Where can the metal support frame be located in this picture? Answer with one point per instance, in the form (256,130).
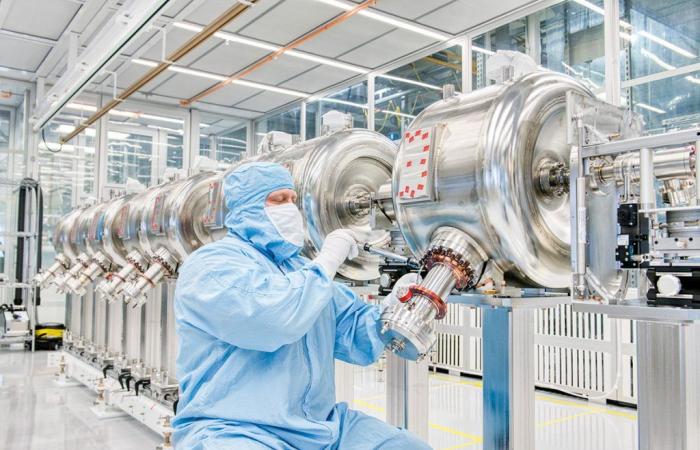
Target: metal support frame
(407,394)
(508,367)
(467,64)
(370,102)
(344,382)
(669,387)
(509,381)
(612,51)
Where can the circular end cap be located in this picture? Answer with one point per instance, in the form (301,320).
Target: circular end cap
(668,285)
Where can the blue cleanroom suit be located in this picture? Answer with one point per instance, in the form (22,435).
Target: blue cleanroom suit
(259,328)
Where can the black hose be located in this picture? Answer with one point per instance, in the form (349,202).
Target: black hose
(128,382)
(106,368)
(121,378)
(175,403)
(144,383)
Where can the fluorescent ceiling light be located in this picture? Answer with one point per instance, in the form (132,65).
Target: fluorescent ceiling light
(213,76)
(571,69)
(667,44)
(396,113)
(197,73)
(342,102)
(650,108)
(117,135)
(169,130)
(144,62)
(657,60)
(666,65)
(482,50)
(81,107)
(405,25)
(326,61)
(643,33)
(413,82)
(273,48)
(120,113)
(591,6)
(266,87)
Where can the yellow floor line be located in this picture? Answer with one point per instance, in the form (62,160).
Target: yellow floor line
(547,423)
(557,401)
(368,405)
(476,439)
(593,409)
(462,382)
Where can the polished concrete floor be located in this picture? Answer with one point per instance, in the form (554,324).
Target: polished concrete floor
(35,414)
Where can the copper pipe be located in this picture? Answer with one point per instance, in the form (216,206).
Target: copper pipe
(187,47)
(274,55)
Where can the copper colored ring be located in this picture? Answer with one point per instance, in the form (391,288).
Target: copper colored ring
(433,297)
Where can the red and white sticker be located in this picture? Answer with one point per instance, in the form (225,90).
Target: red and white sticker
(416,164)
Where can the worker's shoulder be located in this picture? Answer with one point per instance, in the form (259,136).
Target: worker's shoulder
(222,251)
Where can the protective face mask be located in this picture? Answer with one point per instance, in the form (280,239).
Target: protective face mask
(288,222)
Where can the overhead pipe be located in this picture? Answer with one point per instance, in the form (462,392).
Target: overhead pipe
(277,53)
(175,56)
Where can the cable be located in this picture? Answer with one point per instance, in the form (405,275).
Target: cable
(43,138)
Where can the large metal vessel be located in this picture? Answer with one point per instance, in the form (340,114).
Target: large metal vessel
(335,176)
(480,185)
(172,226)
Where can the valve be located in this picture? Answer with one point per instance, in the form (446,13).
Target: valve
(451,261)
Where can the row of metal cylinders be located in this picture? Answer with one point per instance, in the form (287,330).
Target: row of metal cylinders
(129,283)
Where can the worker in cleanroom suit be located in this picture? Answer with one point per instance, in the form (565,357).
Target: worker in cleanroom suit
(259,328)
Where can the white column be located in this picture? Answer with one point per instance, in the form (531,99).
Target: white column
(101,149)
(250,138)
(302,121)
(191,143)
(612,51)
(467,64)
(534,49)
(370,102)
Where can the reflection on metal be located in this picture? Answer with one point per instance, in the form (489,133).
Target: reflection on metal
(136,241)
(408,327)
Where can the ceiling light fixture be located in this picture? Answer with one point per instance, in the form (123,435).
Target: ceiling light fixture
(650,108)
(482,50)
(405,25)
(213,76)
(273,48)
(643,33)
(413,82)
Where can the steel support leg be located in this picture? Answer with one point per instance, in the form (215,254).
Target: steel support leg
(668,402)
(508,374)
(407,394)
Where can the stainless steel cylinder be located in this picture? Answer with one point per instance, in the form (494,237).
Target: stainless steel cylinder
(335,176)
(473,162)
(408,328)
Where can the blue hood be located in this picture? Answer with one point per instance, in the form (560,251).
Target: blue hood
(245,192)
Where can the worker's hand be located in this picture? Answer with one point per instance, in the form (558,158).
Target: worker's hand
(400,289)
(339,245)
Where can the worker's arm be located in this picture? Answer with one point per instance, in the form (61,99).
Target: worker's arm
(246,305)
(356,337)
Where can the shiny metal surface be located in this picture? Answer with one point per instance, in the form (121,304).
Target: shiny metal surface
(489,148)
(408,328)
(334,177)
(669,390)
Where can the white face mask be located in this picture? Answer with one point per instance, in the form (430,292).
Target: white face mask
(288,222)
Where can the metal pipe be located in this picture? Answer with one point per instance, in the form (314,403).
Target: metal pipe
(697,173)
(277,53)
(175,56)
(668,164)
(410,262)
(581,222)
(647,194)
